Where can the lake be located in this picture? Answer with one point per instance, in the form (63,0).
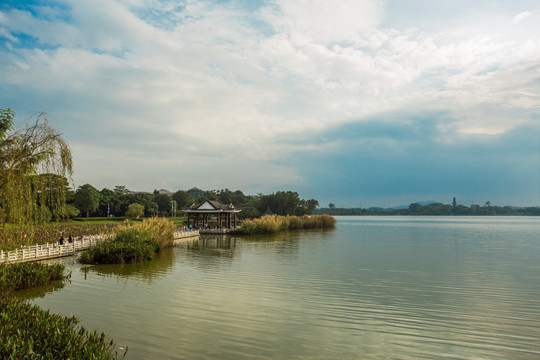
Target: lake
(372,288)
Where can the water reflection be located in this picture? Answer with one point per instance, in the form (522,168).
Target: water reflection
(41,291)
(147,271)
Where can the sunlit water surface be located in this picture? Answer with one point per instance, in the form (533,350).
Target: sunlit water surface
(373,288)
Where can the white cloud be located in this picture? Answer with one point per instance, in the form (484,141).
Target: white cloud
(521,16)
(326,22)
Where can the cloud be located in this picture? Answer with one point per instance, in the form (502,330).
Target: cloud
(323,22)
(221,87)
(521,16)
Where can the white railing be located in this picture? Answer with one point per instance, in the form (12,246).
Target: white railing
(55,250)
(50,251)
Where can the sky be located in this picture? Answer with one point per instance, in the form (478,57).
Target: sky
(360,103)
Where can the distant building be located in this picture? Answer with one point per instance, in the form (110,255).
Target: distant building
(195,192)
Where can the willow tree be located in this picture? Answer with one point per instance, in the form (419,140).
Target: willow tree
(35,162)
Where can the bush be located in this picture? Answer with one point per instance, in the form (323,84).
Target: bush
(28,332)
(135,211)
(132,242)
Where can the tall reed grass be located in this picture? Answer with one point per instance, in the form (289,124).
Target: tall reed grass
(132,242)
(270,224)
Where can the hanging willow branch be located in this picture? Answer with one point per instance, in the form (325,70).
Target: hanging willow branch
(35,162)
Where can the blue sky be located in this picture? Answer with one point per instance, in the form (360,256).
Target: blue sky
(359,103)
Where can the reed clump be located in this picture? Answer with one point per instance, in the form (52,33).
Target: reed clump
(132,242)
(28,332)
(271,224)
(25,275)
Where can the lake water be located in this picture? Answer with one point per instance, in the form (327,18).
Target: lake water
(373,288)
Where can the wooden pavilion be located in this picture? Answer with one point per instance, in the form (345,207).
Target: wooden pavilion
(212,214)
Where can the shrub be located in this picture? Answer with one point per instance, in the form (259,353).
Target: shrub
(135,211)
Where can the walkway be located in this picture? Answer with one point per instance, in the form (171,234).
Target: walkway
(55,250)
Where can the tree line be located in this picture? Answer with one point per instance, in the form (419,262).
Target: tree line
(437,209)
(119,201)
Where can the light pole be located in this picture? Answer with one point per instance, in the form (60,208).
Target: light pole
(173,208)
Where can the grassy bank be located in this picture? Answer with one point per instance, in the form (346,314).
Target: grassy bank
(132,242)
(271,224)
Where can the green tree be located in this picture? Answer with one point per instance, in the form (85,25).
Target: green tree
(163,202)
(310,205)
(182,198)
(25,155)
(87,199)
(135,211)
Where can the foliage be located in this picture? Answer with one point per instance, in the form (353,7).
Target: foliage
(163,202)
(286,203)
(24,275)
(6,121)
(135,211)
(132,242)
(28,332)
(118,200)
(87,199)
(67,211)
(271,224)
(34,162)
(14,236)
(182,199)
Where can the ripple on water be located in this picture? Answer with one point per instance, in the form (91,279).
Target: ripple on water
(391,288)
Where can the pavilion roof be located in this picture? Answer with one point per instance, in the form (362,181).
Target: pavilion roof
(211,206)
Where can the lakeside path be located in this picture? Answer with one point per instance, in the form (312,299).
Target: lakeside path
(55,250)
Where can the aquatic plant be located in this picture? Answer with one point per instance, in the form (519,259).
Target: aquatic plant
(271,224)
(24,275)
(28,332)
(132,242)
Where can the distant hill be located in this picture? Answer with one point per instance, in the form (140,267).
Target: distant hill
(423,203)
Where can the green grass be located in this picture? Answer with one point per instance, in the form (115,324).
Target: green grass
(271,224)
(132,242)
